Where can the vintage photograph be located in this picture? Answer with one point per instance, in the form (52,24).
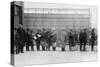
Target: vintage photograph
(48,33)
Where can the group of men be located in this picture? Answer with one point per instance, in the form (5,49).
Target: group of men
(83,38)
(26,38)
(45,38)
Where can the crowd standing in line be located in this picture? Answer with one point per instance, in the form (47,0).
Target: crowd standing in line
(47,39)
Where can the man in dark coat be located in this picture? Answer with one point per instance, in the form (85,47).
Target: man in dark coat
(93,38)
(27,40)
(48,39)
(21,34)
(83,39)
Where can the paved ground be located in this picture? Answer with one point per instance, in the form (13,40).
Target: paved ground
(48,57)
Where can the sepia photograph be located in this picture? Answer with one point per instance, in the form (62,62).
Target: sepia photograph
(50,33)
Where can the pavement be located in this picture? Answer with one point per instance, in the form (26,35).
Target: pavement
(53,57)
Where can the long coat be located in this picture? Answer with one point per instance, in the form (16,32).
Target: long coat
(21,34)
(61,38)
(83,37)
